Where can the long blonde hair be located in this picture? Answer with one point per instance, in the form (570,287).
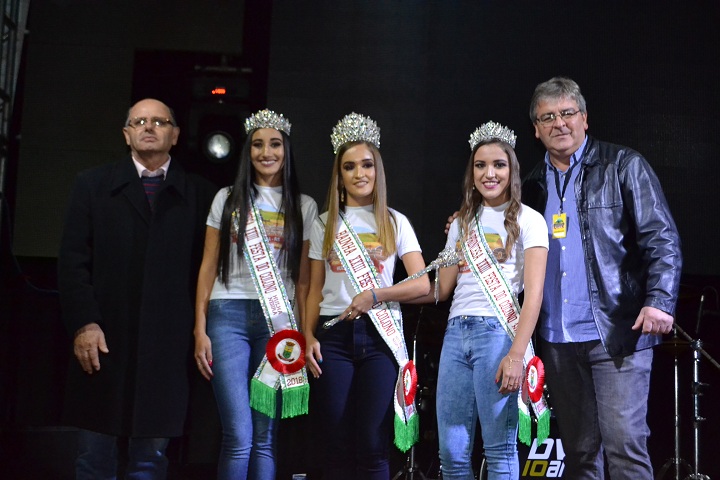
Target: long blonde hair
(472,199)
(335,202)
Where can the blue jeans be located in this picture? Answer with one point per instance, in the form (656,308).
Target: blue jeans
(239,335)
(472,349)
(600,403)
(353,401)
(97,457)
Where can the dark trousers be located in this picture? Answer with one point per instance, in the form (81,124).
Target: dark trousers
(97,457)
(352,401)
(600,403)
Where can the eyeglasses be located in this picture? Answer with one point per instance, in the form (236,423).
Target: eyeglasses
(138,122)
(549,118)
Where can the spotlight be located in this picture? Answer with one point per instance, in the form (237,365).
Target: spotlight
(218,146)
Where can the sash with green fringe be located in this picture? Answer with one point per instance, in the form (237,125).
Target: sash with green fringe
(283,367)
(487,272)
(387,319)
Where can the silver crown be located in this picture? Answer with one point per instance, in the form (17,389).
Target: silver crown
(267,119)
(492,131)
(353,128)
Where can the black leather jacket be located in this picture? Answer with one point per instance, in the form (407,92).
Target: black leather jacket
(630,242)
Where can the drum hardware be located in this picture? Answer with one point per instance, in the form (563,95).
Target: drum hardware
(698,388)
(675,345)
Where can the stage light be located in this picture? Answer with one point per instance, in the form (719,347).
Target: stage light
(219,103)
(218,146)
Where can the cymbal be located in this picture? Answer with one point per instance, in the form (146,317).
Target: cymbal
(674,344)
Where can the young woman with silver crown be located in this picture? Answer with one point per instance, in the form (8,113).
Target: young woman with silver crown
(255,264)
(360,361)
(503,245)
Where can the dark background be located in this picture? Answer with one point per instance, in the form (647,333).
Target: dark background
(428,72)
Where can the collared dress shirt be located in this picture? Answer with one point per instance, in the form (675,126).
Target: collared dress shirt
(566,311)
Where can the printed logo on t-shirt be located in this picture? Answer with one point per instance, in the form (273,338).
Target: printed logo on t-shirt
(274,223)
(494,241)
(372,244)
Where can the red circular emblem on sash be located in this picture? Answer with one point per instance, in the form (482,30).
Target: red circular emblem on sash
(535,379)
(286,351)
(409,381)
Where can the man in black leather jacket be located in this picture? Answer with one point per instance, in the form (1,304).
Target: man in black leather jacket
(612,282)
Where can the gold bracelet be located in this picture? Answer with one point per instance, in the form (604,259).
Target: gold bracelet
(512,361)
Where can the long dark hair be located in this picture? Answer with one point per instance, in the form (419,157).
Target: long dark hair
(239,201)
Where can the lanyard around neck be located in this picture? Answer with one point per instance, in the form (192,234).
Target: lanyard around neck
(568,174)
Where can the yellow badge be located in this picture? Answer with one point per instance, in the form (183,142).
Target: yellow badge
(559,225)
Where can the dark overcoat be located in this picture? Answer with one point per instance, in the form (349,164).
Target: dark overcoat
(133,271)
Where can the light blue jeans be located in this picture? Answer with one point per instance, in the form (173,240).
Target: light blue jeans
(97,457)
(239,335)
(600,403)
(466,390)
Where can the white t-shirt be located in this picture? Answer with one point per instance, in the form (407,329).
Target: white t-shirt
(469,298)
(268,200)
(338,292)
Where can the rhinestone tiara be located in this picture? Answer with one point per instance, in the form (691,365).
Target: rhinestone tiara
(353,128)
(492,131)
(267,119)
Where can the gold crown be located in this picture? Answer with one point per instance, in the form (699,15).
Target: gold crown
(353,128)
(492,131)
(267,119)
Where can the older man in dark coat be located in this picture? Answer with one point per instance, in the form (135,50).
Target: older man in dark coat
(128,262)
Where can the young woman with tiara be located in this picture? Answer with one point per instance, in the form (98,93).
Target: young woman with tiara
(254,265)
(503,245)
(355,347)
